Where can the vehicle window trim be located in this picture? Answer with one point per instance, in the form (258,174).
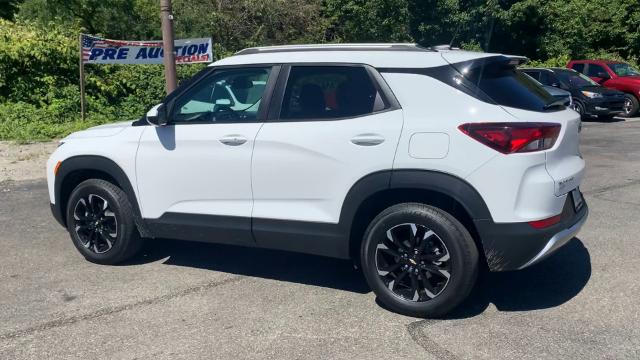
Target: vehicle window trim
(262,110)
(275,108)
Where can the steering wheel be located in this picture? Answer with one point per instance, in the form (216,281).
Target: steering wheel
(225,112)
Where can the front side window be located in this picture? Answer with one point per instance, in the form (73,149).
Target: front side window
(622,69)
(227,95)
(329,92)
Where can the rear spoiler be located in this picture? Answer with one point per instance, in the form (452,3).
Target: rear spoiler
(517,60)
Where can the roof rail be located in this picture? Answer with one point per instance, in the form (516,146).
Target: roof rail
(334,47)
(443,47)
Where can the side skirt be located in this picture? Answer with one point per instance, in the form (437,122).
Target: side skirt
(322,239)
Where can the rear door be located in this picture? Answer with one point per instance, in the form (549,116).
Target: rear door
(330,126)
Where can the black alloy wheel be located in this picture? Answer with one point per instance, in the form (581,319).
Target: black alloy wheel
(419,260)
(95,223)
(413,262)
(100,220)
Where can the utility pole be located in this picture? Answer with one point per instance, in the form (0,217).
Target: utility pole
(168,45)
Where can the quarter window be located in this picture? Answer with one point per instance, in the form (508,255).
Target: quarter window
(232,95)
(329,92)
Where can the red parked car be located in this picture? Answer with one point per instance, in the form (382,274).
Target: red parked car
(615,75)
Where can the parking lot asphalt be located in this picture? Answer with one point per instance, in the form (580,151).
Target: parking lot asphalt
(180,300)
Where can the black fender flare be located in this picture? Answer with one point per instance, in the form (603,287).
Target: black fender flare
(412,179)
(447,184)
(95,163)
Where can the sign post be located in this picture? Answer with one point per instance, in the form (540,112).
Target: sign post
(167,41)
(83,110)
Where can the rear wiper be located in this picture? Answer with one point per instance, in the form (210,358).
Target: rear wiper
(555,103)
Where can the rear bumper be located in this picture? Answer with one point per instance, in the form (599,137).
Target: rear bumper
(514,246)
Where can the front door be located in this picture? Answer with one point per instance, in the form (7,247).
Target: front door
(194,174)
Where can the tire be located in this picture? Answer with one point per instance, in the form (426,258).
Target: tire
(449,254)
(102,233)
(630,106)
(579,107)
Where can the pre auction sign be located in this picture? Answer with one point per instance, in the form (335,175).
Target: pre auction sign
(97,50)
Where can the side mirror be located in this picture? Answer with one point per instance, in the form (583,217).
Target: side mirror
(157,116)
(604,76)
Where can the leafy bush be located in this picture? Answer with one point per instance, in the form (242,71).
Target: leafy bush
(39,91)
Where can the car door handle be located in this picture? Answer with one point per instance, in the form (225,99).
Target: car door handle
(233,140)
(367,139)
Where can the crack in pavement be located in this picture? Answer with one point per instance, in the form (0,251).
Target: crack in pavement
(416,331)
(116,309)
(612,187)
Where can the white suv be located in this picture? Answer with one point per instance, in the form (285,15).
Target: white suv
(420,165)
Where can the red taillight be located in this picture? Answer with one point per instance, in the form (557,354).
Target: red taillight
(545,223)
(514,137)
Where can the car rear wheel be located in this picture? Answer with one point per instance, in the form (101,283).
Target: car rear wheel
(419,260)
(100,222)
(631,106)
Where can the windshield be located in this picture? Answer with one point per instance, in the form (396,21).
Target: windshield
(573,79)
(622,69)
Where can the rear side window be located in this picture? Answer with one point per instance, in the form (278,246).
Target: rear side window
(507,86)
(329,92)
(578,67)
(594,70)
(545,78)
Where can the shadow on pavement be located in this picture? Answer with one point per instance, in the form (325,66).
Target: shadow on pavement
(550,283)
(263,263)
(603,120)
(547,284)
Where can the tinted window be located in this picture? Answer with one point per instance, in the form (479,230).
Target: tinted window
(326,92)
(578,67)
(225,95)
(545,78)
(553,79)
(533,74)
(574,80)
(594,70)
(508,86)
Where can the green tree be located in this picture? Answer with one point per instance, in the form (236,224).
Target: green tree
(117,19)
(366,20)
(8,8)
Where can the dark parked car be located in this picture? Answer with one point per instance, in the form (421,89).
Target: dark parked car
(614,75)
(590,99)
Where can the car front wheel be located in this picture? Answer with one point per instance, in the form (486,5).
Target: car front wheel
(419,260)
(631,106)
(100,222)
